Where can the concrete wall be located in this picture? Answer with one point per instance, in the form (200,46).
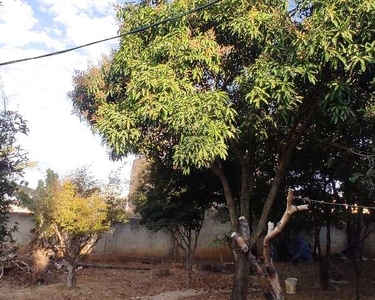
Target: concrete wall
(369,246)
(25,223)
(338,240)
(213,229)
(132,240)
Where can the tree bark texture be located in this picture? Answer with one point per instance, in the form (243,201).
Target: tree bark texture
(324,261)
(317,246)
(232,208)
(70,277)
(241,277)
(268,280)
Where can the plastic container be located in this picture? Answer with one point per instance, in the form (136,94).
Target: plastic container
(291,285)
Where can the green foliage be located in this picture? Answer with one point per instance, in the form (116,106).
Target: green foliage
(25,196)
(240,86)
(78,214)
(191,85)
(165,198)
(72,213)
(13,159)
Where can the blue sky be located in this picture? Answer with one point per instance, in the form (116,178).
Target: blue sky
(38,89)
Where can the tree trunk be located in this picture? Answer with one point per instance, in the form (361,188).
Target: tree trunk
(189,267)
(324,261)
(232,207)
(276,182)
(317,247)
(271,288)
(189,263)
(294,135)
(70,279)
(241,268)
(241,277)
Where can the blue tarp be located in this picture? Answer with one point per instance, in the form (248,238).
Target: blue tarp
(299,249)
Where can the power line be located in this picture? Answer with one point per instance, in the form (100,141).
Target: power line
(354,206)
(133,31)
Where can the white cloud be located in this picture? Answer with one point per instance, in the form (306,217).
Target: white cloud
(17,21)
(57,139)
(101,7)
(57,31)
(84,21)
(17,14)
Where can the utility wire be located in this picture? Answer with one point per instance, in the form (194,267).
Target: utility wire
(334,204)
(133,31)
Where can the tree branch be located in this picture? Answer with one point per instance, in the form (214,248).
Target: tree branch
(271,289)
(273,232)
(294,136)
(218,171)
(239,243)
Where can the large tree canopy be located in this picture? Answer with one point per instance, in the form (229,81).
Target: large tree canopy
(237,84)
(236,77)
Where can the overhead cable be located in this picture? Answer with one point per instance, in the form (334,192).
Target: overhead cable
(353,206)
(133,31)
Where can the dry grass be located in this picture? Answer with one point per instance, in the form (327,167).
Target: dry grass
(105,284)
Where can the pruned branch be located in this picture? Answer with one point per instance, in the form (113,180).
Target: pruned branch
(273,232)
(244,228)
(239,242)
(271,286)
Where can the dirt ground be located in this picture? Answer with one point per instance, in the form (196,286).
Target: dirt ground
(166,282)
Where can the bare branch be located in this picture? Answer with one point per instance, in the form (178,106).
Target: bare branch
(271,288)
(290,210)
(273,232)
(361,153)
(239,242)
(244,228)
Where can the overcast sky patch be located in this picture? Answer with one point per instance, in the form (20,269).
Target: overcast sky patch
(38,89)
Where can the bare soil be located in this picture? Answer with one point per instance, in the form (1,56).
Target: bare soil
(167,282)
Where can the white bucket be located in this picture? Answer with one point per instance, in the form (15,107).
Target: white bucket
(291,285)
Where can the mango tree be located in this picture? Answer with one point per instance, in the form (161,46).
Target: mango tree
(237,84)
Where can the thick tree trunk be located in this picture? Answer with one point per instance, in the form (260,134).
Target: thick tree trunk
(241,271)
(241,278)
(247,186)
(70,277)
